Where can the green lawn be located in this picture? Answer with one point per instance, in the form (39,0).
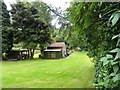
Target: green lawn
(76,71)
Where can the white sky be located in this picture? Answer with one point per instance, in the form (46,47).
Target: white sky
(56,3)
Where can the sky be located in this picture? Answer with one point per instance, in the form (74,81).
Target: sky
(57,3)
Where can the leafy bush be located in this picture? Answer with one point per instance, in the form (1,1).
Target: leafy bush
(92,22)
(4,56)
(109,72)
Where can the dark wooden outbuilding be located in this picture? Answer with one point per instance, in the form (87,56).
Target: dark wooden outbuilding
(55,51)
(18,54)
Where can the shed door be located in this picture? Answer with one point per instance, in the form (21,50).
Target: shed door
(53,55)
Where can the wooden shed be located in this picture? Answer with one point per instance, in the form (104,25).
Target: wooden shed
(18,54)
(55,51)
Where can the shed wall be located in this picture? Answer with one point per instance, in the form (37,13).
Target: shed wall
(52,54)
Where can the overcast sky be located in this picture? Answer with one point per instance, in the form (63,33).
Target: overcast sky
(56,3)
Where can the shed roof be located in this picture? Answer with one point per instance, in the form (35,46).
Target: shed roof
(57,44)
(22,50)
(50,50)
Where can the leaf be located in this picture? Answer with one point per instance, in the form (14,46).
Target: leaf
(113,63)
(112,74)
(114,50)
(115,18)
(115,36)
(118,54)
(115,68)
(118,43)
(105,62)
(111,16)
(109,56)
(116,78)
(103,59)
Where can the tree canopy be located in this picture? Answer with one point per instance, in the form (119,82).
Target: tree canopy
(30,27)
(93,30)
(7,35)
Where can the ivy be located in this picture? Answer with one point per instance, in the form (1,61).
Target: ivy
(96,23)
(113,58)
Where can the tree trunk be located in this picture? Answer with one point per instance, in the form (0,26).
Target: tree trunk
(28,54)
(42,55)
(32,53)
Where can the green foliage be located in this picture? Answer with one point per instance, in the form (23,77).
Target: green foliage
(92,23)
(43,11)
(115,17)
(111,64)
(30,26)
(7,35)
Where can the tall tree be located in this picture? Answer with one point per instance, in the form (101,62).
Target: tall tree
(0,44)
(43,11)
(7,35)
(30,28)
(45,14)
(90,22)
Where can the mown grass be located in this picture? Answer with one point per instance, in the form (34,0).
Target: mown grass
(75,71)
